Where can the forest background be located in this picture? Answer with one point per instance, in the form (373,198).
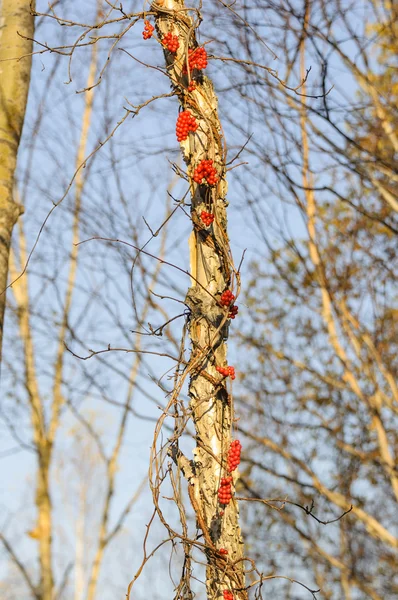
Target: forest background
(312,193)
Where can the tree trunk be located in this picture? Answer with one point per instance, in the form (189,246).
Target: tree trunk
(212,273)
(15,19)
(44,522)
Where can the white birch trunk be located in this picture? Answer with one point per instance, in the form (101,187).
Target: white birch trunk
(15,17)
(212,273)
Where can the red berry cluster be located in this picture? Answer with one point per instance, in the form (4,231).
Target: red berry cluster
(227,371)
(197,59)
(205,170)
(171,42)
(228,595)
(227,298)
(223,551)
(234,455)
(224,491)
(233,311)
(192,86)
(148,30)
(186,122)
(207,218)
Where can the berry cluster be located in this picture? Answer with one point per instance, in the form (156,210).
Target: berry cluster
(171,42)
(227,298)
(148,30)
(186,122)
(207,218)
(224,491)
(205,170)
(228,595)
(233,311)
(192,86)
(227,371)
(223,551)
(197,59)
(234,455)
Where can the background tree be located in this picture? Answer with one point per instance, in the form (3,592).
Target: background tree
(48,391)
(321,335)
(16,33)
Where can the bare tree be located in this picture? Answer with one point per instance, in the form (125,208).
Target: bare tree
(16,34)
(44,392)
(321,380)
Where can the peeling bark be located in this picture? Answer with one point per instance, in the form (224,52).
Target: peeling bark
(212,272)
(15,18)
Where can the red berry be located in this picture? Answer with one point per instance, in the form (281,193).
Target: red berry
(223,371)
(224,491)
(186,122)
(197,59)
(233,311)
(227,298)
(226,371)
(207,218)
(148,30)
(205,170)
(171,42)
(231,372)
(234,455)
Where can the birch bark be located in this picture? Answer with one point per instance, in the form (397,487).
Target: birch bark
(212,273)
(15,18)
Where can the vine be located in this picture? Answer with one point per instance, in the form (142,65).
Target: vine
(211,303)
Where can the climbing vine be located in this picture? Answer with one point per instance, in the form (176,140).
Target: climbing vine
(210,299)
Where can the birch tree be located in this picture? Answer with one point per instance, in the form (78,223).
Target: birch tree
(215,285)
(16,34)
